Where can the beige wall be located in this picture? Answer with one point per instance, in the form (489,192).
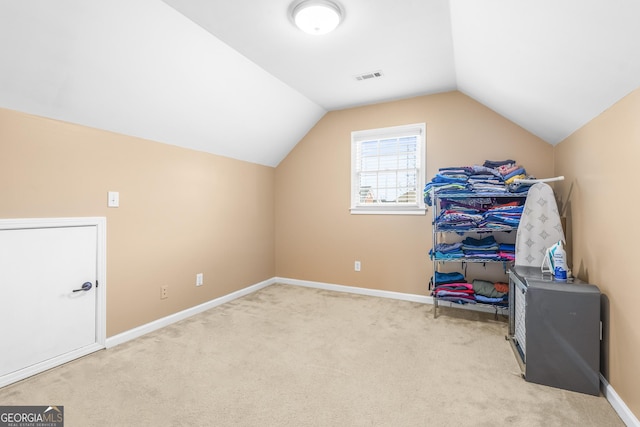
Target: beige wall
(181,212)
(600,163)
(316,237)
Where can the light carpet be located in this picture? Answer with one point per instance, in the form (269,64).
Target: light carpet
(296,356)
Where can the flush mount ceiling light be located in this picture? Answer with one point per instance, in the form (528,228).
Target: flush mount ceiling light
(316,17)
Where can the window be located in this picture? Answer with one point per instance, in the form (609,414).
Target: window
(387,170)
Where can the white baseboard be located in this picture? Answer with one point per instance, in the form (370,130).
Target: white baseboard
(355,290)
(21,374)
(623,411)
(176,317)
(384,294)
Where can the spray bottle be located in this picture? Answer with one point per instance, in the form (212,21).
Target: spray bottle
(559,257)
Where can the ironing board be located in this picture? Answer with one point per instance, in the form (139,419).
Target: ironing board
(540,226)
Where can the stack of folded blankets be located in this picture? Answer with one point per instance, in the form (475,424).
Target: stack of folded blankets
(491,177)
(506,214)
(484,248)
(507,251)
(491,293)
(511,171)
(447,251)
(460,216)
(453,287)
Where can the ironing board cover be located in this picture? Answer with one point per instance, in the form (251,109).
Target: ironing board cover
(539,227)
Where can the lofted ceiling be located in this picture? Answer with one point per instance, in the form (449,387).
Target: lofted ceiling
(236,78)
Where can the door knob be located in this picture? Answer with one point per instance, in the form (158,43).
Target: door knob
(85,287)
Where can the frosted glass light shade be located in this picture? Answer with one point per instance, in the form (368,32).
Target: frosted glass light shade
(317,17)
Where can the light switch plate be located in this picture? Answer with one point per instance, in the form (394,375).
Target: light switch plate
(114,199)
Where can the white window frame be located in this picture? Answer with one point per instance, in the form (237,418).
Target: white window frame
(357,139)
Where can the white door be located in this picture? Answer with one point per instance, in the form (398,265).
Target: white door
(48,297)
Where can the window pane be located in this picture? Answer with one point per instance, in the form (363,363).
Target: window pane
(388,162)
(408,143)
(388,146)
(369,148)
(407,196)
(369,180)
(407,180)
(369,164)
(367,195)
(407,160)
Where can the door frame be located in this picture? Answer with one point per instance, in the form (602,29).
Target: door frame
(101,290)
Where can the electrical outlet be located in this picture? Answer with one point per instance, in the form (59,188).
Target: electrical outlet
(164,292)
(357,266)
(199,279)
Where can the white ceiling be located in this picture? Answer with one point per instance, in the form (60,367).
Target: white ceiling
(236,78)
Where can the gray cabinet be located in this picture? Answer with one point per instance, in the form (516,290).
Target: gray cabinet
(554,329)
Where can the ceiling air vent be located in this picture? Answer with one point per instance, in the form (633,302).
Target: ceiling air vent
(369,76)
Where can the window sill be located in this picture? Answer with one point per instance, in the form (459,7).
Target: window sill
(388,211)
